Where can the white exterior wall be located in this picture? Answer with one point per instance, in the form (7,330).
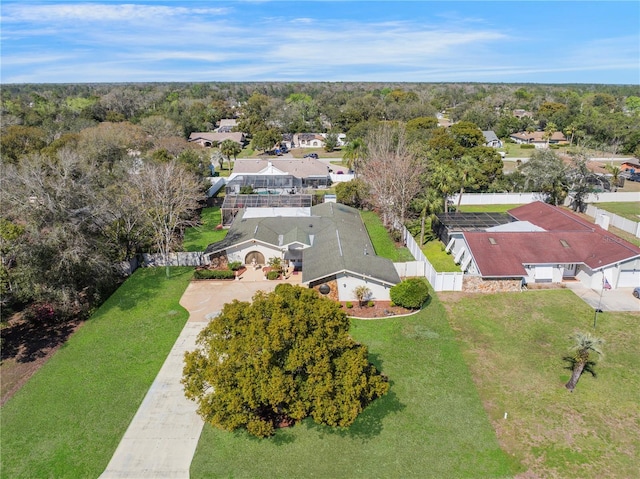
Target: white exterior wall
(347,283)
(239,253)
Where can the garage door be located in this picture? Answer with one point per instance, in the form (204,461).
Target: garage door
(629,278)
(544,274)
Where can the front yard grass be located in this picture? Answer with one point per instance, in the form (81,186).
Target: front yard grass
(67,421)
(514,344)
(382,243)
(629,210)
(199,237)
(431,424)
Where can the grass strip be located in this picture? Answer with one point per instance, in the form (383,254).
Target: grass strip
(67,421)
(382,243)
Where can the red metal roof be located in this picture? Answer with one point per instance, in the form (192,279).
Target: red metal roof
(568,239)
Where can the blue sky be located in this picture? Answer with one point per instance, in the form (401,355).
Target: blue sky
(417,41)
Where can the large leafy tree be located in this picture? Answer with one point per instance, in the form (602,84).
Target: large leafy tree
(546,173)
(285,356)
(584,344)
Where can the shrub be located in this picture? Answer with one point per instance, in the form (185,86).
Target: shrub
(273,275)
(349,304)
(411,293)
(235,265)
(527,146)
(214,274)
(371,304)
(396,235)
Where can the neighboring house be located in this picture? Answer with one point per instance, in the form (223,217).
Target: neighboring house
(538,138)
(313,173)
(209,139)
(547,244)
(491,139)
(329,246)
(519,113)
(226,125)
(314,140)
(632,166)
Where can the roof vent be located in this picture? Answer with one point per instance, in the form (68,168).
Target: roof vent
(492,241)
(564,244)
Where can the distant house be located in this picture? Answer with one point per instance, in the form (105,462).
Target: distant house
(209,139)
(226,125)
(330,246)
(312,140)
(546,244)
(491,139)
(630,165)
(538,138)
(519,113)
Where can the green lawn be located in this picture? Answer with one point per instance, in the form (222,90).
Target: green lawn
(439,259)
(514,344)
(67,421)
(430,425)
(486,208)
(629,210)
(382,243)
(199,237)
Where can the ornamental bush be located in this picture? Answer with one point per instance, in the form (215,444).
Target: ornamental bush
(273,275)
(235,265)
(411,293)
(214,274)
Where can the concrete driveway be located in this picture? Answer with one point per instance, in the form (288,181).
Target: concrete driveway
(161,440)
(619,299)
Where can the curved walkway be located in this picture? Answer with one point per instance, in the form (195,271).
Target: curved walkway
(162,438)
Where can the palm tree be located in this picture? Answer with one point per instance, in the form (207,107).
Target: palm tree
(362,294)
(354,154)
(615,175)
(584,345)
(466,168)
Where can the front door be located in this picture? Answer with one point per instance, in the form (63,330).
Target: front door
(254,257)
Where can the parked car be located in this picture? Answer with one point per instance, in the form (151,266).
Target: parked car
(636,292)
(634,177)
(311,155)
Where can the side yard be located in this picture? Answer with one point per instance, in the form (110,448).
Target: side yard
(382,243)
(514,344)
(68,419)
(430,425)
(199,237)
(629,210)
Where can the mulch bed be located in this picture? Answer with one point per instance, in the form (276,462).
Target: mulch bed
(380,309)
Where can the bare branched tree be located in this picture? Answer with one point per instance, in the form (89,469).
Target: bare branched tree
(169,195)
(392,172)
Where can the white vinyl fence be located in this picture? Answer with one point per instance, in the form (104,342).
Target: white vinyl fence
(174,259)
(619,222)
(497,198)
(422,267)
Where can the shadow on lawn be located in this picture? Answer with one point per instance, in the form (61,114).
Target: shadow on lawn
(26,341)
(128,298)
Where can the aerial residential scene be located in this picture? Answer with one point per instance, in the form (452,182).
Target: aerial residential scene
(319,239)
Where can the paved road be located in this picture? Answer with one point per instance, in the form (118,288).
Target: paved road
(162,438)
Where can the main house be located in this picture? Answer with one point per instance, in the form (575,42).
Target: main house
(329,245)
(541,243)
(213,138)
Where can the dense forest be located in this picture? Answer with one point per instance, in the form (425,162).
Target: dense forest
(93,174)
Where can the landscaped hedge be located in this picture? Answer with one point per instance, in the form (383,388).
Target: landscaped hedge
(213,274)
(527,146)
(411,293)
(273,275)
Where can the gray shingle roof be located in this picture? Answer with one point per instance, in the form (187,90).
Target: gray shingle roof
(337,239)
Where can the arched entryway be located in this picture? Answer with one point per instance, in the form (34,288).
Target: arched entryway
(254,257)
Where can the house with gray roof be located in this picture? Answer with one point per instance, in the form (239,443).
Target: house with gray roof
(330,247)
(491,139)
